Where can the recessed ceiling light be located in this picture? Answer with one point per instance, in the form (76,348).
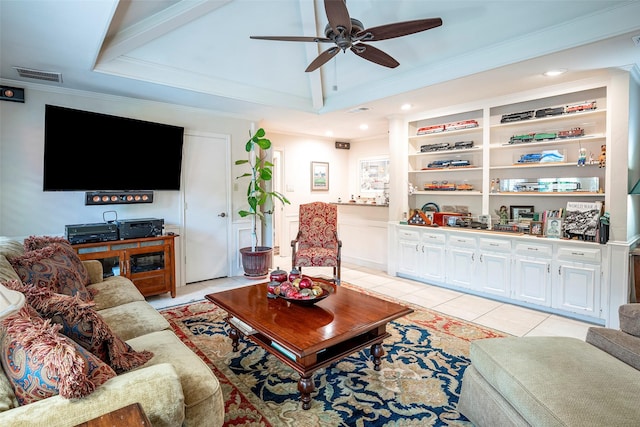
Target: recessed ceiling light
(405,107)
(328,133)
(364,126)
(553,73)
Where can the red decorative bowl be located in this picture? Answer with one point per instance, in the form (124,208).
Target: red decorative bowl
(326,291)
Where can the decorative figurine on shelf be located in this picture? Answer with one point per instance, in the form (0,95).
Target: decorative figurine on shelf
(503,214)
(582,156)
(591,161)
(602,160)
(493,186)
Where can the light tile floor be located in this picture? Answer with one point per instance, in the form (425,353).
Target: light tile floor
(512,319)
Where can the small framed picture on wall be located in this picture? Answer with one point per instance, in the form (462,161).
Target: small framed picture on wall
(319,176)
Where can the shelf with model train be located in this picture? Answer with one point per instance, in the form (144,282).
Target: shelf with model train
(540,202)
(445,155)
(550,150)
(557,149)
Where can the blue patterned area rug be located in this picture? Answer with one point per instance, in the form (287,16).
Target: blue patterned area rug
(418,384)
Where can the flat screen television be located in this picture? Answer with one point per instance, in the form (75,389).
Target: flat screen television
(86,151)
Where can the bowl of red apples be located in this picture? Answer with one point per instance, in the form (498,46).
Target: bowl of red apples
(301,291)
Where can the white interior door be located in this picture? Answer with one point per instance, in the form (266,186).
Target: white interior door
(207,206)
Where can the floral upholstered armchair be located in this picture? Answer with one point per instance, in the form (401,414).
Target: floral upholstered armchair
(317,243)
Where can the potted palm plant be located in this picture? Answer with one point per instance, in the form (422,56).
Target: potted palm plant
(256,260)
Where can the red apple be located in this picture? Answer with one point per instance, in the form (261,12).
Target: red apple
(306,283)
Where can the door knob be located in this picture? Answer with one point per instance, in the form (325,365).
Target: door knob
(222,214)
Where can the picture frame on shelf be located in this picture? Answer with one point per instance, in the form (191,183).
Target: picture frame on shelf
(515,211)
(319,176)
(535,228)
(553,228)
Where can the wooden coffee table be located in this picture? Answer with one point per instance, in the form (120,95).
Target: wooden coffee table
(309,338)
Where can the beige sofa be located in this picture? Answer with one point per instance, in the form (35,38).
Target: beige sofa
(556,381)
(175,387)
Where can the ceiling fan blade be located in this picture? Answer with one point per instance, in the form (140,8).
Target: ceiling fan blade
(338,15)
(293,39)
(375,55)
(398,29)
(323,58)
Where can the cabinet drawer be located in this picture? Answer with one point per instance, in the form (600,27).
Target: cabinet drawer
(533,249)
(579,254)
(408,234)
(152,285)
(500,245)
(462,241)
(437,238)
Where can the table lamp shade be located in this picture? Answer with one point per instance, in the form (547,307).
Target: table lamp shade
(10,301)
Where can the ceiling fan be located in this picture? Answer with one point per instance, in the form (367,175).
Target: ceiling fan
(349,33)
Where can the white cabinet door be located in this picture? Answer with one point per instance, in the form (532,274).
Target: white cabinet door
(461,261)
(577,288)
(494,267)
(494,271)
(433,257)
(408,257)
(576,285)
(409,252)
(532,276)
(532,281)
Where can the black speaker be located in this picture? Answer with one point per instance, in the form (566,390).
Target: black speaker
(117,197)
(14,94)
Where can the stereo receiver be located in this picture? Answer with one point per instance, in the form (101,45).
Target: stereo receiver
(89,233)
(137,228)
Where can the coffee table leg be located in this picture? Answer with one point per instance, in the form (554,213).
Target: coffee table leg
(235,337)
(306,387)
(377,352)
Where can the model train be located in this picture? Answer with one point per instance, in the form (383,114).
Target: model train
(541,136)
(446,186)
(528,137)
(530,158)
(547,186)
(441,164)
(440,186)
(446,146)
(464,124)
(544,157)
(548,111)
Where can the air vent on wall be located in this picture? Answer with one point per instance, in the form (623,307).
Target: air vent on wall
(49,76)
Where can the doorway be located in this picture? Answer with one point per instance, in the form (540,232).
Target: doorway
(207,206)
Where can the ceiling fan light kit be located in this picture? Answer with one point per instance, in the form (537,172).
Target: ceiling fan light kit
(349,33)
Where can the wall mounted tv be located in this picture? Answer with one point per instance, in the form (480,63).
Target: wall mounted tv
(86,151)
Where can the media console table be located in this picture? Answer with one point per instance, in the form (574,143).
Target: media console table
(148,262)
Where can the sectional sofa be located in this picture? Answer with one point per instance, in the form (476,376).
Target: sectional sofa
(556,381)
(174,387)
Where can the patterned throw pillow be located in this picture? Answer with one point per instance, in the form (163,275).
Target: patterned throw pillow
(55,268)
(41,363)
(33,243)
(84,325)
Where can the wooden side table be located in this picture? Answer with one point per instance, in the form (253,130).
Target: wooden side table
(129,416)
